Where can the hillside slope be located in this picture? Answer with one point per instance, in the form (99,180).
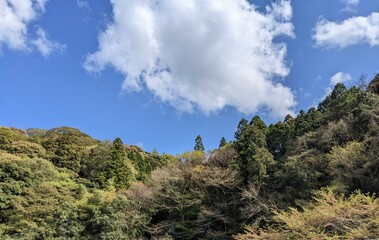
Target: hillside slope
(309,177)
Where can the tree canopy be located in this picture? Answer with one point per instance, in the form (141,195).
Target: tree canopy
(313,176)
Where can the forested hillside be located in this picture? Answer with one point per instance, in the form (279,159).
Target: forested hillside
(313,176)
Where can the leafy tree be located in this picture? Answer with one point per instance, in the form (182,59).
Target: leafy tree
(29,149)
(30,192)
(66,147)
(109,215)
(329,216)
(192,158)
(143,162)
(65,151)
(9,135)
(198,144)
(93,165)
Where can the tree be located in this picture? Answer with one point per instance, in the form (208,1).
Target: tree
(198,144)
(373,86)
(241,126)
(119,168)
(222,142)
(329,216)
(94,164)
(277,138)
(253,157)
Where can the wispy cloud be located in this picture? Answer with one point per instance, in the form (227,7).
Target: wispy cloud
(350,5)
(200,54)
(83,4)
(46,46)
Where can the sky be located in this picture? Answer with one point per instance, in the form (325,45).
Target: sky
(157,73)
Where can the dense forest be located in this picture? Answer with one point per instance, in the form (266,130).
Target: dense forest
(313,176)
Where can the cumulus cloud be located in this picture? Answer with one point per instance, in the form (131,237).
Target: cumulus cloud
(200,54)
(16,16)
(340,77)
(352,31)
(46,46)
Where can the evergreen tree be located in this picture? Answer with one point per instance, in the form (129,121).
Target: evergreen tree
(198,144)
(241,126)
(222,142)
(253,157)
(119,168)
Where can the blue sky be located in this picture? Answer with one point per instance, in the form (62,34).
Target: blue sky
(158,73)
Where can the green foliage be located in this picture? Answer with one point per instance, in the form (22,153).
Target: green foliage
(277,138)
(354,166)
(143,162)
(65,152)
(108,215)
(28,149)
(66,147)
(30,192)
(93,165)
(10,135)
(222,142)
(119,170)
(198,144)
(254,158)
(307,121)
(62,184)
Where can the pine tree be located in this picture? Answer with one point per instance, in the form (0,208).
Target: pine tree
(222,142)
(198,144)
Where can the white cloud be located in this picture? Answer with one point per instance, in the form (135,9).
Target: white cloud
(46,46)
(40,4)
(200,54)
(340,77)
(352,31)
(16,16)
